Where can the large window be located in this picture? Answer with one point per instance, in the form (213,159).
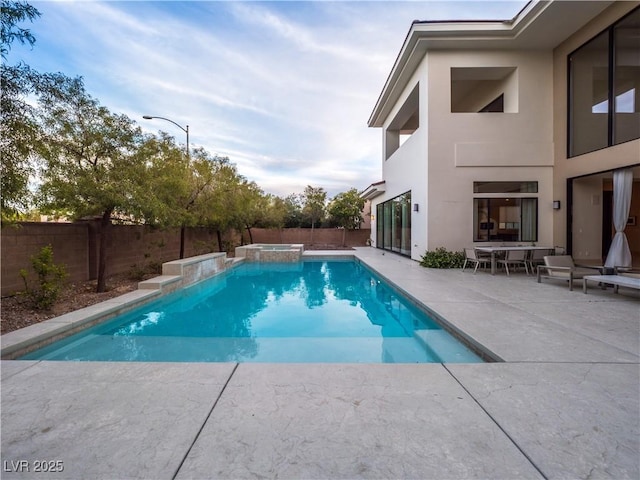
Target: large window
(505,219)
(393,224)
(604,88)
(509,218)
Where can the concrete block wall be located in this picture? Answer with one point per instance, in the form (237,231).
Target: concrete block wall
(20,242)
(76,245)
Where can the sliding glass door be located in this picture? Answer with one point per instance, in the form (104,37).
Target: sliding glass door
(394,224)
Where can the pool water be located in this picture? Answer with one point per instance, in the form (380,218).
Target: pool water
(312,311)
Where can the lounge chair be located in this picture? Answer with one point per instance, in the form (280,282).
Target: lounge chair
(622,280)
(471,256)
(561,267)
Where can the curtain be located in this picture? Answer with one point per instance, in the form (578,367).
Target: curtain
(529,221)
(619,254)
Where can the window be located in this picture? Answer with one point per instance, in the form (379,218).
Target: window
(505,187)
(512,218)
(393,224)
(484,89)
(604,81)
(505,219)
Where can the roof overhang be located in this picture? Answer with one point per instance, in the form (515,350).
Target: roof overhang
(373,190)
(540,25)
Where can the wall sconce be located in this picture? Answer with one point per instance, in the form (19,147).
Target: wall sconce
(556,204)
(416,207)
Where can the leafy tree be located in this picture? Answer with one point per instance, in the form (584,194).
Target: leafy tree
(177,182)
(18,137)
(13,13)
(251,206)
(215,206)
(314,199)
(275,212)
(345,210)
(18,129)
(293,211)
(90,164)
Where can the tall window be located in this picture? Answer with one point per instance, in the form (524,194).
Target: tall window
(393,224)
(512,218)
(604,88)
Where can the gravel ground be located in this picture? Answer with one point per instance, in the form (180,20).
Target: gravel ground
(15,311)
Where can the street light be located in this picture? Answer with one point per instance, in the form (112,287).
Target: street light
(185,130)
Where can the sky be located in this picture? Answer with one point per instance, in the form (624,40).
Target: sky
(284,89)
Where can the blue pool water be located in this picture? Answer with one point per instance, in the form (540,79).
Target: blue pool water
(311,311)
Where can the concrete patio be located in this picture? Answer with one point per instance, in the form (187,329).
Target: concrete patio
(565,403)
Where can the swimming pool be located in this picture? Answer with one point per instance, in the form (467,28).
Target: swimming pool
(311,311)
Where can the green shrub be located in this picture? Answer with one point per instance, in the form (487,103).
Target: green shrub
(442,258)
(50,279)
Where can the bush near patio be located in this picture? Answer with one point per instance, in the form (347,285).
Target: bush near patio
(442,258)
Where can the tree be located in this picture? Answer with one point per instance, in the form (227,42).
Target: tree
(90,163)
(178,182)
(293,211)
(314,199)
(215,206)
(18,137)
(18,129)
(275,212)
(345,210)
(251,206)
(13,13)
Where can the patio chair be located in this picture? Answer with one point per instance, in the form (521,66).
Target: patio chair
(536,257)
(472,256)
(515,258)
(561,267)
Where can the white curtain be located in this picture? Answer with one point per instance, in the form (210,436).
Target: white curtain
(619,254)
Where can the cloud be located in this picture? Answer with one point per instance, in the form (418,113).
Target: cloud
(282,88)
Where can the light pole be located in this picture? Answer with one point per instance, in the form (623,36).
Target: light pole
(185,130)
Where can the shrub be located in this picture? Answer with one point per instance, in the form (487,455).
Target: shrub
(442,258)
(49,282)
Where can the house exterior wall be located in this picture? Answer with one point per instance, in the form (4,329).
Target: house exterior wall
(449,151)
(468,147)
(406,169)
(618,156)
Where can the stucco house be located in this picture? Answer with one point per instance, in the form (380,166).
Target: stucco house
(510,132)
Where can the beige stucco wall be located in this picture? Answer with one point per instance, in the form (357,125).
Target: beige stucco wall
(468,147)
(618,156)
(406,169)
(442,159)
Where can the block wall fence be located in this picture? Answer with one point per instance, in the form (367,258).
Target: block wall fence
(76,246)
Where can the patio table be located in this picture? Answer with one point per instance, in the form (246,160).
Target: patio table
(494,250)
